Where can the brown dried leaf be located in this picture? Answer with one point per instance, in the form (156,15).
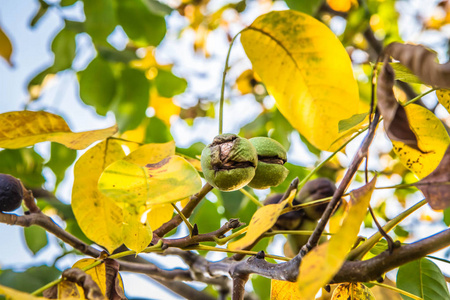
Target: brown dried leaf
(114,290)
(436,187)
(395,120)
(422,62)
(90,287)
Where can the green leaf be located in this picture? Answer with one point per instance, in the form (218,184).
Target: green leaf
(351,122)
(404,74)
(100,19)
(158,7)
(169,85)
(231,201)
(447,216)
(36,238)
(133,98)
(98,85)
(113,55)
(24,164)
(43,7)
(261,286)
(305,68)
(294,171)
(422,278)
(309,7)
(157,131)
(67,2)
(140,23)
(34,277)
(206,217)
(63,47)
(61,158)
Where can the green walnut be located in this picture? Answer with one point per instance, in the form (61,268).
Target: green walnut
(229,162)
(11,193)
(271,159)
(314,190)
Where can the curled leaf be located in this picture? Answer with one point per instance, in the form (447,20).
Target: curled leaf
(436,186)
(395,119)
(90,287)
(432,139)
(422,62)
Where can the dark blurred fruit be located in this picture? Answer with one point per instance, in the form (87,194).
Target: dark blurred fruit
(271,159)
(11,193)
(287,221)
(314,190)
(229,162)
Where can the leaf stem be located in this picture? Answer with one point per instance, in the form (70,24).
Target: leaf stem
(396,290)
(418,97)
(222,91)
(185,220)
(361,250)
(295,232)
(224,240)
(246,252)
(250,196)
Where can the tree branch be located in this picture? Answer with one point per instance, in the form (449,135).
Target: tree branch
(206,237)
(47,223)
(187,211)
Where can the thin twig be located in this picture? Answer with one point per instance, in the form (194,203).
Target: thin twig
(314,238)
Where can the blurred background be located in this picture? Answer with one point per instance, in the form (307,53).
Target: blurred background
(155,68)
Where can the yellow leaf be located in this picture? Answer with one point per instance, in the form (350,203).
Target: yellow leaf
(68,290)
(151,153)
(164,107)
(262,220)
(319,266)
(97,273)
(159,214)
(308,72)
(136,235)
(20,129)
(341,5)
(169,180)
(432,139)
(356,291)
(17,295)
(245,82)
(99,217)
(444,98)
(284,290)
(5,47)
